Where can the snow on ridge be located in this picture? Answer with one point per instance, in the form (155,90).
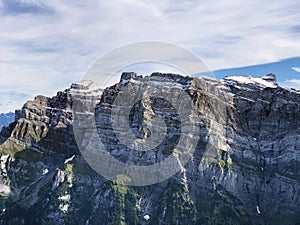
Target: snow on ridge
(85,86)
(69,159)
(246,99)
(157,83)
(251,80)
(264,82)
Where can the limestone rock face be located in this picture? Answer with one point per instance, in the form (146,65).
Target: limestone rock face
(245,168)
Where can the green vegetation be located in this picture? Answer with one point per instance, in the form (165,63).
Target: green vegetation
(12,146)
(222,159)
(69,169)
(167,151)
(126,210)
(119,184)
(175,206)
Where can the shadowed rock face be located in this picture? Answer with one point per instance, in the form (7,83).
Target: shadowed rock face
(245,169)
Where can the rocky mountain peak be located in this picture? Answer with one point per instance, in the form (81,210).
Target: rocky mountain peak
(248,82)
(126,76)
(245,168)
(84,85)
(270,78)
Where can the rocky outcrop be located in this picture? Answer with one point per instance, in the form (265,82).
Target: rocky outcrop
(244,170)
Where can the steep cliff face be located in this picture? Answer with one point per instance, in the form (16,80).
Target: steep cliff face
(245,169)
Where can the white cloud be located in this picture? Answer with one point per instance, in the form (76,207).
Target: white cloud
(293,83)
(297,69)
(46,52)
(12,100)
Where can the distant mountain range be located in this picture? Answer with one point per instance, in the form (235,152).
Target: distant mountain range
(287,71)
(6,119)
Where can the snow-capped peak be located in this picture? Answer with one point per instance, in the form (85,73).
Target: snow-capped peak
(265,81)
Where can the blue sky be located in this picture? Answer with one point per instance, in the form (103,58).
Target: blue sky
(46,45)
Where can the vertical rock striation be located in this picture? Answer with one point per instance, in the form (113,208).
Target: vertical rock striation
(245,169)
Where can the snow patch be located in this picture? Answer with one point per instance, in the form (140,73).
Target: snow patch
(246,99)
(147,217)
(264,82)
(64,208)
(258,210)
(251,80)
(45,171)
(69,159)
(4,189)
(65,197)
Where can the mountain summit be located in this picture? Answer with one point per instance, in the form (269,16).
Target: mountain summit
(245,168)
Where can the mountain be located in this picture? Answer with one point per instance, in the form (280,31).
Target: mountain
(6,119)
(245,168)
(287,71)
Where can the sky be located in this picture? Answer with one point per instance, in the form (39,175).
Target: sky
(47,45)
